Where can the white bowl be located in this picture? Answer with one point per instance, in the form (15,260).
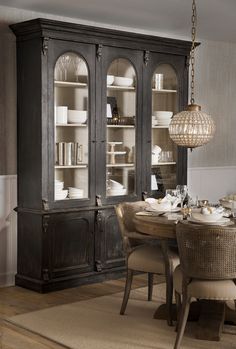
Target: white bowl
(59,185)
(75,196)
(77,116)
(163,115)
(61,195)
(228,203)
(163,123)
(115,185)
(110,79)
(121,81)
(115,192)
(75,191)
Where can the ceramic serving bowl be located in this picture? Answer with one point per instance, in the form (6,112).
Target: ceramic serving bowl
(163,115)
(115,185)
(116,192)
(61,195)
(77,116)
(121,81)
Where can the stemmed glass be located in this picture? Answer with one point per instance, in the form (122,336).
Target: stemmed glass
(175,194)
(183,189)
(64,63)
(75,63)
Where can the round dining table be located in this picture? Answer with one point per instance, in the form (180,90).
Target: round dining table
(210,315)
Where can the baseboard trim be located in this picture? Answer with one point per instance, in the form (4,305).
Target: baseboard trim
(7,279)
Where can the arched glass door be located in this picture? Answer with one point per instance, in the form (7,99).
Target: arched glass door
(71,115)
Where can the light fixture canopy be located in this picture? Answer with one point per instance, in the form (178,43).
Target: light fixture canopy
(192,128)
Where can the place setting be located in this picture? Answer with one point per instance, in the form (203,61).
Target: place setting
(163,206)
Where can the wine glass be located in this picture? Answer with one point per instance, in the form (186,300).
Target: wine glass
(65,62)
(183,189)
(76,65)
(175,194)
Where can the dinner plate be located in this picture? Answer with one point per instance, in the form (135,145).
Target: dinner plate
(151,209)
(220,221)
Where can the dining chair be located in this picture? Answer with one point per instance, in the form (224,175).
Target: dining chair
(143,255)
(207,267)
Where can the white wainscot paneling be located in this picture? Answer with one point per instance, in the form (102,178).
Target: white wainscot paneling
(8,229)
(211,183)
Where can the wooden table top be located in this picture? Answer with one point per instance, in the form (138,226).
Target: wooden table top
(159,227)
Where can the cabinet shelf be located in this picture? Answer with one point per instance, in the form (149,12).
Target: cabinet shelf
(71,125)
(164,163)
(160,126)
(120,165)
(72,166)
(163,91)
(59,83)
(120,126)
(121,88)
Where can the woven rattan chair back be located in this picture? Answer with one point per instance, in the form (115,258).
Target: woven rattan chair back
(125,212)
(207,252)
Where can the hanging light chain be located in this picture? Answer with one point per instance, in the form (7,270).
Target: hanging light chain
(192,52)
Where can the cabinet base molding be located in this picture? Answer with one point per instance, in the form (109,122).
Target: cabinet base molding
(68,282)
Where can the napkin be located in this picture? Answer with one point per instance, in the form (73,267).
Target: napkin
(164,204)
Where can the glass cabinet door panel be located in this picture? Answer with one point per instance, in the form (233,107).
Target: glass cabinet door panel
(71,117)
(164,151)
(121,113)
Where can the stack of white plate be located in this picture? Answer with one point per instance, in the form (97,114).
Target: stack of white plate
(76,193)
(115,188)
(163,118)
(60,194)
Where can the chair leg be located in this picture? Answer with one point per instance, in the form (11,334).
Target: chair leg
(178,308)
(169,297)
(183,319)
(128,284)
(150,286)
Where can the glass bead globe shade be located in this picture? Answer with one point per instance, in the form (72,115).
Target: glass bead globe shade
(191,128)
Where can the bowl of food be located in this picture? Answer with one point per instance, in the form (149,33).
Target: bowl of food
(77,116)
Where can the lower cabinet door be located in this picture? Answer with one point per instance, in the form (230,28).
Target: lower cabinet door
(109,251)
(72,243)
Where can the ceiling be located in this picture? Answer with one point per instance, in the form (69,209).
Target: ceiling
(216,18)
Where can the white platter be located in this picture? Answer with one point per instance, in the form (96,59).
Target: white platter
(221,221)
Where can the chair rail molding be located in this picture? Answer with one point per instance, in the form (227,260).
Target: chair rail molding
(8,229)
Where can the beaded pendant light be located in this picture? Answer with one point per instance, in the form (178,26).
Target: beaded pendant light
(192,128)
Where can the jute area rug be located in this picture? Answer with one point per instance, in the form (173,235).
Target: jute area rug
(96,324)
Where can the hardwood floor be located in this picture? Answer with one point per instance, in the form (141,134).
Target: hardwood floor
(16,300)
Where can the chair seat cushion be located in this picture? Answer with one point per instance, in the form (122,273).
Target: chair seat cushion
(206,289)
(148,258)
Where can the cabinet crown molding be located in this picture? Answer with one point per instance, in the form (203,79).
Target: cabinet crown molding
(76,32)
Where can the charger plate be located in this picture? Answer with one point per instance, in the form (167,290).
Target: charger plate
(221,221)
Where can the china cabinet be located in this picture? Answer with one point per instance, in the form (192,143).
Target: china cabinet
(93,112)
